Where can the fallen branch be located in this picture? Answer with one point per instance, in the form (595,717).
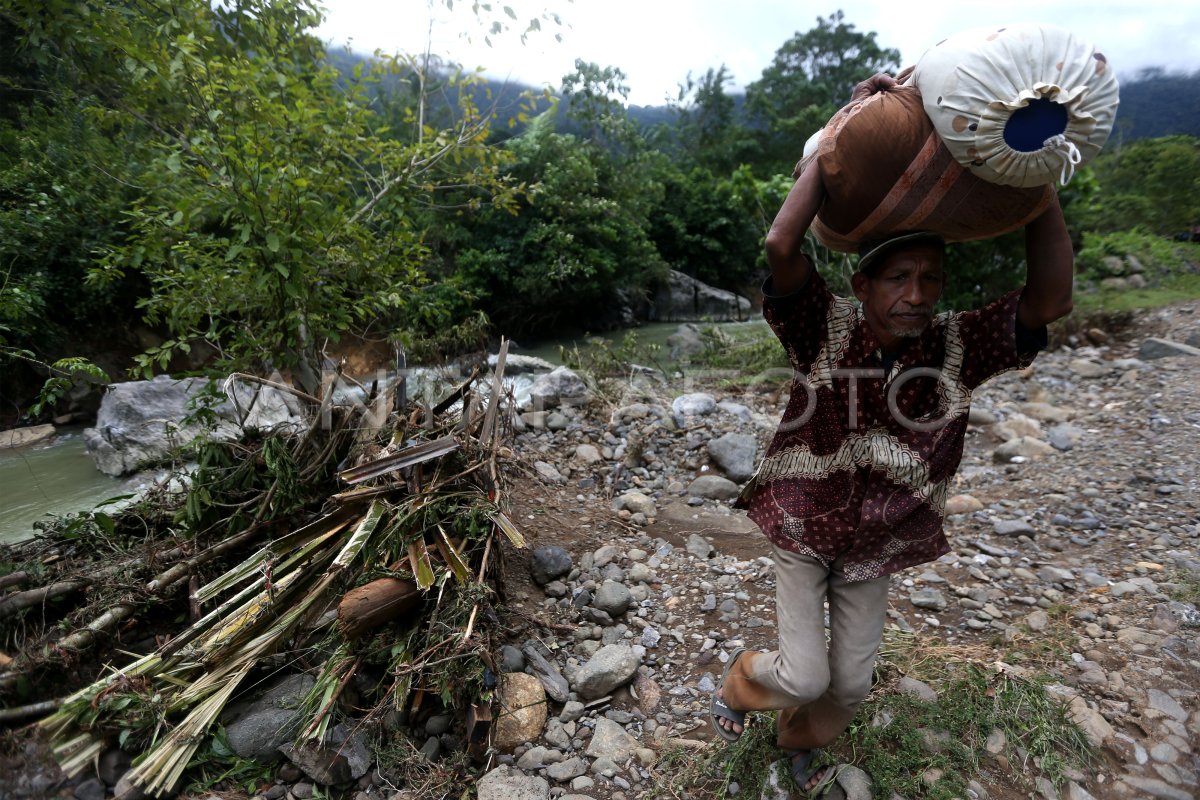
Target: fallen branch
(25,712)
(19,601)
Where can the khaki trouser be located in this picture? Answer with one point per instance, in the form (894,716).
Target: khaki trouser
(817,689)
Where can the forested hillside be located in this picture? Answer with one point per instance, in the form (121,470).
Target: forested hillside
(210,189)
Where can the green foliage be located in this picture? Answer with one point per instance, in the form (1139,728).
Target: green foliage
(1152,183)
(753,350)
(580,234)
(896,737)
(217,767)
(811,76)
(1107,255)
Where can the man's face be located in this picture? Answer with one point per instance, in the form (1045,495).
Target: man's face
(898,299)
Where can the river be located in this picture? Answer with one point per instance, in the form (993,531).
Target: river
(57,477)
(53,477)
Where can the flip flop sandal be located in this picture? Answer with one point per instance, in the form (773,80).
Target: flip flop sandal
(718,710)
(806,766)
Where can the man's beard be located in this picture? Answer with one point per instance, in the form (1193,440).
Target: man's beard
(909,332)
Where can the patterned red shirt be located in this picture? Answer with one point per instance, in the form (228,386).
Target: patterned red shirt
(862,461)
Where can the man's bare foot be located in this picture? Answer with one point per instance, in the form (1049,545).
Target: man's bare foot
(728,724)
(801,757)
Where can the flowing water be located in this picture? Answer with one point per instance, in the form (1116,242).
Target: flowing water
(57,477)
(54,477)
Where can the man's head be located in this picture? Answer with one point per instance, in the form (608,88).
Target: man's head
(899,280)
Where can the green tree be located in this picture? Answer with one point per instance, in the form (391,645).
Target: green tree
(812,74)
(581,235)
(1151,183)
(275,212)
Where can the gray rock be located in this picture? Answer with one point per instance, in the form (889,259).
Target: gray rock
(1088,369)
(431,749)
(1077,792)
(548,472)
(855,783)
(611,741)
(511,659)
(506,783)
(548,563)
(515,364)
(1064,436)
(612,598)
(1154,348)
(257,731)
(1152,787)
(560,387)
(127,790)
(927,598)
(736,409)
(344,756)
(1013,527)
(1055,575)
(567,770)
(113,764)
(1161,701)
(1023,447)
(588,454)
(685,341)
(90,789)
(698,546)
(557,688)
(438,724)
(684,298)
(636,503)
(735,454)
(21,437)
(572,710)
(141,422)
(713,487)
(695,404)
(612,666)
(916,688)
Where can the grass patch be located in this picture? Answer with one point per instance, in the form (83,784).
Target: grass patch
(752,350)
(1173,289)
(920,749)
(1184,587)
(683,773)
(1043,648)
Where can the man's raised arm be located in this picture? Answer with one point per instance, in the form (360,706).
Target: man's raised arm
(785,241)
(1050,273)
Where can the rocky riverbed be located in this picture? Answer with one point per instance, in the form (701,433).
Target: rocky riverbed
(1075,538)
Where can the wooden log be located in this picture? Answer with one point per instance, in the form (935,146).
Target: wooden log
(366,607)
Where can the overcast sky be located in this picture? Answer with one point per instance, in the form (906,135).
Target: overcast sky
(657,42)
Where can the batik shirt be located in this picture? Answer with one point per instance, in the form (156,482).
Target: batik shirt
(862,461)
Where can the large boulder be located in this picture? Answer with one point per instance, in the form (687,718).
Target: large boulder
(613,666)
(684,298)
(522,711)
(141,422)
(560,387)
(735,454)
(21,437)
(256,731)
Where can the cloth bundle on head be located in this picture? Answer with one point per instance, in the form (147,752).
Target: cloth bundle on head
(885,169)
(1022,105)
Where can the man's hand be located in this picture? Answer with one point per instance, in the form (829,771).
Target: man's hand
(880,82)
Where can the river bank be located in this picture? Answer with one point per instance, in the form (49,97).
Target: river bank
(1075,567)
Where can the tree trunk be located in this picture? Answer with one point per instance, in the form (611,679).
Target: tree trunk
(367,607)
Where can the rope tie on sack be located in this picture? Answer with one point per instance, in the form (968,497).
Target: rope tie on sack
(1065,149)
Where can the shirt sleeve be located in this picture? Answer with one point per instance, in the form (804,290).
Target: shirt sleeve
(994,342)
(799,318)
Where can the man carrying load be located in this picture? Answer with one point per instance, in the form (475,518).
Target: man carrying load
(853,486)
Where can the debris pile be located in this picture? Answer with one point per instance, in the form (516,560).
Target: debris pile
(361,550)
